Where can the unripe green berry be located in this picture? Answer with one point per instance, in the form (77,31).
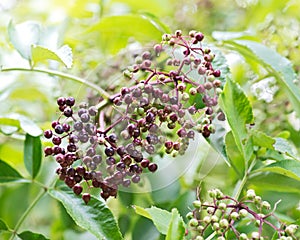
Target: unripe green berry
(243,236)
(243,213)
(234,215)
(210,210)
(291,229)
(210,78)
(189,215)
(221,238)
(216,226)
(193,222)
(214,218)
(199,238)
(207,219)
(218,191)
(197,204)
(255,235)
(200,228)
(257,199)
(212,193)
(193,91)
(222,206)
(266,205)
(185,96)
(251,194)
(224,223)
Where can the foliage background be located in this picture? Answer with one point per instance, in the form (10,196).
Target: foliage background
(95,34)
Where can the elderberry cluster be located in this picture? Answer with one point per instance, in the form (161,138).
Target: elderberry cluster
(172,93)
(224,217)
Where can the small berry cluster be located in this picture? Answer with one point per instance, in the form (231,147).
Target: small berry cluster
(224,216)
(81,156)
(173,93)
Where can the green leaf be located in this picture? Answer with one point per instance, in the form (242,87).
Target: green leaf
(23,35)
(262,140)
(118,27)
(280,66)
(94,216)
(176,228)
(3,226)
(29,126)
(27,235)
(217,140)
(8,174)
(161,218)
(235,156)
(238,111)
(283,146)
(63,55)
(289,168)
(32,154)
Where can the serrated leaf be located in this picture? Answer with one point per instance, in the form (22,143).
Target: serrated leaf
(23,35)
(238,111)
(32,154)
(28,235)
(288,168)
(8,174)
(63,55)
(3,226)
(280,66)
(262,140)
(94,216)
(160,217)
(176,229)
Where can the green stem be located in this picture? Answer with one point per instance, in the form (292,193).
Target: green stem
(101,91)
(240,184)
(25,214)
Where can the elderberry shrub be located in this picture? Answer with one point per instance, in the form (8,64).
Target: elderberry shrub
(225,217)
(172,93)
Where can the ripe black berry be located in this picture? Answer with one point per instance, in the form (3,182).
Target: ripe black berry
(48,151)
(109,151)
(70,101)
(86,197)
(152,167)
(56,140)
(48,134)
(68,112)
(77,189)
(61,101)
(59,129)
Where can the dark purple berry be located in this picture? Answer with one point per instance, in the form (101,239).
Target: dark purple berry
(168,144)
(176,146)
(66,127)
(48,134)
(70,101)
(77,178)
(85,117)
(77,189)
(59,129)
(91,152)
(199,36)
(145,163)
(152,167)
(78,126)
(110,161)
(217,73)
(71,147)
(48,151)
(135,178)
(126,183)
(61,101)
(97,159)
(56,140)
(68,112)
(69,182)
(57,150)
(121,150)
(92,111)
(86,197)
(54,123)
(120,166)
(109,151)
(112,138)
(71,172)
(80,170)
